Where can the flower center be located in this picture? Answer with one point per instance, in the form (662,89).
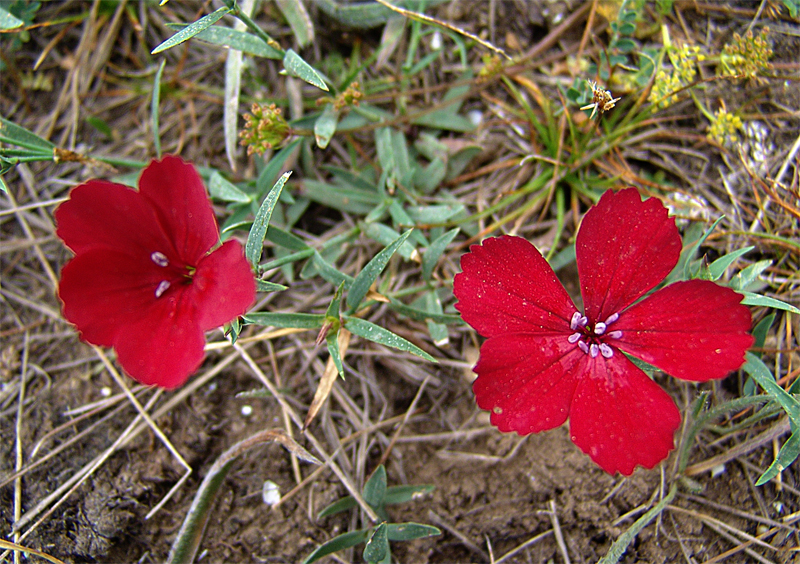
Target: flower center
(592,339)
(174,273)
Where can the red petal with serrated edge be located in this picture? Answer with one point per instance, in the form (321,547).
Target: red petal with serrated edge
(625,247)
(165,346)
(621,418)
(177,193)
(104,215)
(527,381)
(223,286)
(104,290)
(693,330)
(506,286)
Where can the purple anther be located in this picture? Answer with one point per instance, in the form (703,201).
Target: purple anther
(615,335)
(594,350)
(583,321)
(574,338)
(159,258)
(599,328)
(612,318)
(163,286)
(606,351)
(576,317)
(583,346)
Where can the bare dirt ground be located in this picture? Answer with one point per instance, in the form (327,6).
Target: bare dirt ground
(498,497)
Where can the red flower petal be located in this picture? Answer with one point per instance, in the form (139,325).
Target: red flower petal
(177,193)
(527,381)
(104,290)
(223,286)
(694,330)
(164,347)
(621,418)
(507,287)
(625,247)
(104,215)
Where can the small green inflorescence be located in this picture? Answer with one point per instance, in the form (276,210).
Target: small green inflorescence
(746,56)
(724,127)
(264,128)
(669,82)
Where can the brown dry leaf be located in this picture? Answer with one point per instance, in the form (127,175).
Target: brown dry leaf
(327,380)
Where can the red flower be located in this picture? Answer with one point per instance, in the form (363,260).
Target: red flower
(143,280)
(545,361)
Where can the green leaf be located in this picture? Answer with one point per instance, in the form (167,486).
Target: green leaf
(325,126)
(742,280)
(760,333)
(329,272)
(221,189)
(295,13)
(690,251)
(431,256)
(265,286)
(371,271)
(764,378)
(385,235)
(290,320)
(344,504)
(192,29)
(759,300)
(378,545)
(255,240)
(788,454)
(9,20)
(296,66)
(154,104)
(332,344)
(14,134)
(285,239)
(336,544)
(270,172)
(235,39)
(410,531)
(377,334)
(422,315)
(717,268)
(343,198)
(403,494)
(375,487)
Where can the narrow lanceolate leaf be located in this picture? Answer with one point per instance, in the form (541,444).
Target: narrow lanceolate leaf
(336,544)
(434,252)
(375,487)
(255,240)
(403,494)
(154,104)
(325,126)
(14,134)
(296,66)
(410,531)
(295,13)
(377,334)
(788,454)
(192,29)
(742,280)
(371,272)
(290,320)
(717,268)
(756,368)
(222,189)
(265,286)
(758,300)
(234,39)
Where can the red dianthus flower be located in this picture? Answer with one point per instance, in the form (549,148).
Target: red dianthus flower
(144,279)
(544,361)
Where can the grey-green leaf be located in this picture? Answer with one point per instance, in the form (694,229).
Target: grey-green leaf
(325,126)
(221,189)
(291,320)
(378,545)
(296,66)
(255,240)
(154,104)
(788,454)
(14,134)
(759,300)
(265,286)
(410,531)
(371,271)
(336,544)
(434,252)
(192,29)
(375,487)
(235,39)
(717,268)
(9,20)
(377,334)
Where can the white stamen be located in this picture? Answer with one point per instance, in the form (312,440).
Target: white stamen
(615,335)
(159,258)
(594,350)
(576,317)
(606,351)
(583,321)
(574,338)
(583,346)
(612,318)
(599,328)
(163,286)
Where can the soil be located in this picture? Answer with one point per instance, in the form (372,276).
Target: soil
(493,492)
